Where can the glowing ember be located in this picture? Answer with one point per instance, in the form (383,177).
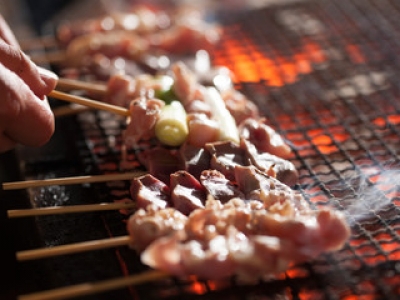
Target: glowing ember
(355,54)
(390,119)
(275,70)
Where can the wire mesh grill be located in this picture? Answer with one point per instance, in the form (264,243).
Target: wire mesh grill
(325,74)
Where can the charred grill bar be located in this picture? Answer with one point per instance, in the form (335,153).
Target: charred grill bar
(325,74)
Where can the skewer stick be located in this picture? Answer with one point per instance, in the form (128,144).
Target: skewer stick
(89,288)
(69,110)
(57,210)
(72,248)
(90,103)
(73,84)
(71,180)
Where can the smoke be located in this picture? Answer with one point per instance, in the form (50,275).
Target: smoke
(373,196)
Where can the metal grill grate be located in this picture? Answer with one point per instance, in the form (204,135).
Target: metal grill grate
(325,74)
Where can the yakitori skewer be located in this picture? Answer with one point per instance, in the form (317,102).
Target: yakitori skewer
(57,210)
(91,288)
(90,103)
(71,180)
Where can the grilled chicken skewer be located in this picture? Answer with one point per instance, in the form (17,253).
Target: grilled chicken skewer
(260,232)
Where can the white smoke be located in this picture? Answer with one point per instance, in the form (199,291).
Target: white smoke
(372,198)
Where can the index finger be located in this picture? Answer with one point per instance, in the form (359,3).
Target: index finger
(40,81)
(24,118)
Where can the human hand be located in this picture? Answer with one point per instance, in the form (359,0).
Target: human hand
(25,115)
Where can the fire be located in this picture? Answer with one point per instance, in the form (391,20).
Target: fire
(257,65)
(252,64)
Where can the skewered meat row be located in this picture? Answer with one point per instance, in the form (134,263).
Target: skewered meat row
(159,189)
(137,41)
(140,19)
(260,232)
(247,183)
(211,115)
(180,83)
(222,156)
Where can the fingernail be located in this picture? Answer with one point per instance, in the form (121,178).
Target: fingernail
(48,77)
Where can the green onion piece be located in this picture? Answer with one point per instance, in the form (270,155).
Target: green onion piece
(171,128)
(228,130)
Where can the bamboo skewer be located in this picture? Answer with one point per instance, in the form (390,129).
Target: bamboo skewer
(71,180)
(73,84)
(90,103)
(89,288)
(68,110)
(56,210)
(72,248)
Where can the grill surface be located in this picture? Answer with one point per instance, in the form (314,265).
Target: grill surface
(325,74)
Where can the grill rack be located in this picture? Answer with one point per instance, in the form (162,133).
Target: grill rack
(324,74)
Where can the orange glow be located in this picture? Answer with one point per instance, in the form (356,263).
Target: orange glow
(197,288)
(375,259)
(384,236)
(252,64)
(324,144)
(303,65)
(389,247)
(320,198)
(218,285)
(375,178)
(297,273)
(255,65)
(392,195)
(315,52)
(392,119)
(379,122)
(355,54)
(309,295)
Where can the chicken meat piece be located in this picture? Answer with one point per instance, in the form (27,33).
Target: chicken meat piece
(144,114)
(246,239)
